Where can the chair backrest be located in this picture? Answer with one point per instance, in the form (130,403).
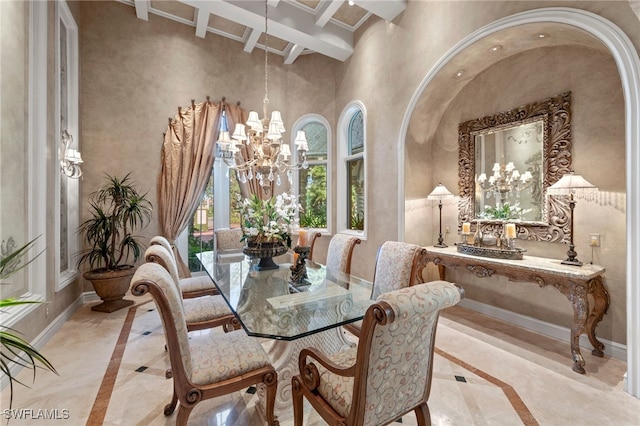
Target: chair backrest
(312,239)
(156,253)
(339,255)
(162,241)
(155,279)
(395,351)
(228,239)
(396,267)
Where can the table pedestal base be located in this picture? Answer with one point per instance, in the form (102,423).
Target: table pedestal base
(284,357)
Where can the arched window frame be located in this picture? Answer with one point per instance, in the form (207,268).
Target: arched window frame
(342,162)
(299,125)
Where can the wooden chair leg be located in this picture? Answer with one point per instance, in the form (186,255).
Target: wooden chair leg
(297,401)
(170,407)
(183,415)
(270,381)
(423,415)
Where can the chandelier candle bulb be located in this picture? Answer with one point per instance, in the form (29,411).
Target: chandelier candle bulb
(510,230)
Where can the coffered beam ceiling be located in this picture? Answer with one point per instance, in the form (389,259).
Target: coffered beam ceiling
(296,27)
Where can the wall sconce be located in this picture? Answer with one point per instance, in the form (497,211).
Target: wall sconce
(438,194)
(71,159)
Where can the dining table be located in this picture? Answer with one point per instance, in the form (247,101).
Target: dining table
(289,316)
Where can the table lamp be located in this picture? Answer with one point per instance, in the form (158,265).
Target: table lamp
(440,193)
(575,186)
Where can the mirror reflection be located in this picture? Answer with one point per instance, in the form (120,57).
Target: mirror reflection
(510,159)
(508,178)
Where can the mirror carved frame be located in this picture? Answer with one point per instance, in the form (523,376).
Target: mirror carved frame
(556,114)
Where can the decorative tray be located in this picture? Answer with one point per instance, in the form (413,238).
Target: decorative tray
(493,252)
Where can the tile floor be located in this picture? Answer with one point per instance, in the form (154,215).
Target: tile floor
(111,372)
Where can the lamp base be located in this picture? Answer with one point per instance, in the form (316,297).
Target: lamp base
(571,260)
(441,245)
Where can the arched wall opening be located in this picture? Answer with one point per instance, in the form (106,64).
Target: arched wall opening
(628,65)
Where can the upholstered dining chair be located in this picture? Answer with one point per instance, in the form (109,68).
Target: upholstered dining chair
(228,245)
(205,365)
(389,373)
(200,312)
(312,243)
(339,257)
(190,286)
(398,265)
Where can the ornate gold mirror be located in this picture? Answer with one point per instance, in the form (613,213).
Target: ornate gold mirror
(506,163)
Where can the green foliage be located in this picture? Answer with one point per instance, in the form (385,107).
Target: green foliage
(504,212)
(196,245)
(14,349)
(117,209)
(313,196)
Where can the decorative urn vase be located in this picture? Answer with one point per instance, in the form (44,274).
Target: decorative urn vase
(265,251)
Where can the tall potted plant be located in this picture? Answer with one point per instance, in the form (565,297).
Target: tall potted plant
(117,210)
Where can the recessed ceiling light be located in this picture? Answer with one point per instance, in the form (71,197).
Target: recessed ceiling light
(495,48)
(459,74)
(351,3)
(543,35)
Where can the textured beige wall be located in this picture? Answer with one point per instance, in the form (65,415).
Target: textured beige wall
(389,62)
(135,74)
(598,154)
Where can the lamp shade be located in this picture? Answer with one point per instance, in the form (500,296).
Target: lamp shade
(572,183)
(440,192)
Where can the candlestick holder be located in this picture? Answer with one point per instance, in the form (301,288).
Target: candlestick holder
(465,237)
(299,267)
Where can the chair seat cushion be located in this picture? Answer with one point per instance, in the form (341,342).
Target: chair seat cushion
(337,390)
(217,357)
(198,283)
(205,308)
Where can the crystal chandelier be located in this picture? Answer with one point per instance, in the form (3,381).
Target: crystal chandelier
(266,155)
(505,181)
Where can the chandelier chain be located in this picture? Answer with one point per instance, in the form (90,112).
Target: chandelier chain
(266,56)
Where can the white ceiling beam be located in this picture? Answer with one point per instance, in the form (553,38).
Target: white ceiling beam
(252,39)
(142,9)
(386,9)
(287,22)
(202,22)
(273,3)
(325,11)
(292,53)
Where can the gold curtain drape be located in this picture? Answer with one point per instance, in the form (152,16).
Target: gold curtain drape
(187,158)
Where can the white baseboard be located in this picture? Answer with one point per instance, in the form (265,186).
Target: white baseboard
(612,349)
(45,335)
(90,296)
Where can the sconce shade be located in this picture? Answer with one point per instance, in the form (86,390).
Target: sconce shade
(440,192)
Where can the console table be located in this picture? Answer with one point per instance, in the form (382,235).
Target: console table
(575,282)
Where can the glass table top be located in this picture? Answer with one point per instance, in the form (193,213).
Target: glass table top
(268,305)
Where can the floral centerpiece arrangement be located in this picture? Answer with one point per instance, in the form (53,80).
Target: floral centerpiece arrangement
(268,220)
(266,226)
(506,211)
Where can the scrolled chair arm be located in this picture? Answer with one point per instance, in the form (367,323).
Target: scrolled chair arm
(309,372)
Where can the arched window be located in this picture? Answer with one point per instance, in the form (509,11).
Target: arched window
(352,169)
(310,184)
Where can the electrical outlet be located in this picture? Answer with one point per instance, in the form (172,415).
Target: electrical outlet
(46,311)
(447,230)
(594,240)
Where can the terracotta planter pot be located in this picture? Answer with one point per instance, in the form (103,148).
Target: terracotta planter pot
(111,287)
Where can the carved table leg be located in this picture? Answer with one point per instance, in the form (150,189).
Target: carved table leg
(441,271)
(600,306)
(580,304)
